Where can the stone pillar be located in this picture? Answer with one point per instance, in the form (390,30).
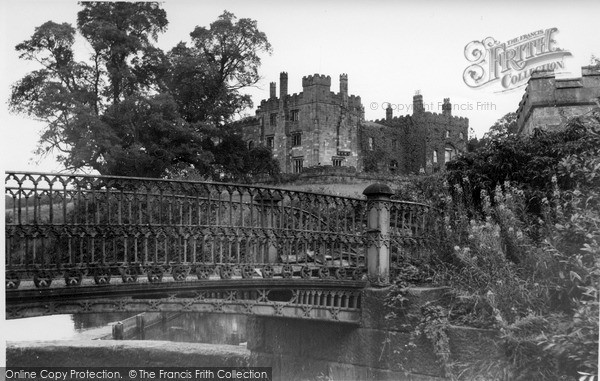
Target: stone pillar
(141,326)
(378,239)
(117,331)
(267,203)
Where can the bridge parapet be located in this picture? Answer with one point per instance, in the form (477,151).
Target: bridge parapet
(105,230)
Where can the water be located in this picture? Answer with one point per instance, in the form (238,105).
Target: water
(201,328)
(184,327)
(57,327)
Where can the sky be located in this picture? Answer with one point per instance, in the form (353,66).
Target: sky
(389,49)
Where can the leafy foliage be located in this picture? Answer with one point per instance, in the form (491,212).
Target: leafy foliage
(503,128)
(522,247)
(130,108)
(530,162)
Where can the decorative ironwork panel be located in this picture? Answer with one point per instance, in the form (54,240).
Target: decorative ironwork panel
(69,230)
(414,233)
(65,229)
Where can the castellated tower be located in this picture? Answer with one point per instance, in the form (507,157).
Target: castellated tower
(315,127)
(316,86)
(344,87)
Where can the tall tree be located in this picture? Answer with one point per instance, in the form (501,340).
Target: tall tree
(131,109)
(206,77)
(502,129)
(117,32)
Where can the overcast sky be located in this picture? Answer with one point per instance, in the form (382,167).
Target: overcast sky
(389,50)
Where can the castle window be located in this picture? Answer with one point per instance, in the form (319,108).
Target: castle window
(371,143)
(270,142)
(337,161)
(449,153)
(273,119)
(250,144)
(435,157)
(294,115)
(447,133)
(296,139)
(393,166)
(462,136)
(297,163)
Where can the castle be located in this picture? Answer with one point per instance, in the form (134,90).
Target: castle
(549,102)
(318,127)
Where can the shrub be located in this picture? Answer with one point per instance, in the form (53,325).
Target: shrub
(521,249)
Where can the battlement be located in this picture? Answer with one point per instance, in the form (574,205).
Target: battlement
(429,117)
(442,118)
(591,70)
(316,79)
(546,92)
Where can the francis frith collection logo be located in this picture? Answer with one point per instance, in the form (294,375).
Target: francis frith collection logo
(511,63)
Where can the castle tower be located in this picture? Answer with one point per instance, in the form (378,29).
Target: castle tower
(389,113)
(418,103)
(273,91)
(283,85)
(447,107)
(316,86)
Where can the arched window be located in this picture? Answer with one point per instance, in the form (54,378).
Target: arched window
(393,166)
(250,144)
(435,157)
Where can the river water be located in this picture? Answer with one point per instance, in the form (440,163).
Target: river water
(184,327)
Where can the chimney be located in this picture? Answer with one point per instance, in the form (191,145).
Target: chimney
(283,85)
(447,107)
(273,91)
(388,112)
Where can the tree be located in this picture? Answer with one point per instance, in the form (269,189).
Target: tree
(131,109)
(207,76)
(504,127)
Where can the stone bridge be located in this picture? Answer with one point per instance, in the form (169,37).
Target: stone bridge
(85,244)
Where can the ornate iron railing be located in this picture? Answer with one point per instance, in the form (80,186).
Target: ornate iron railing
(86,228)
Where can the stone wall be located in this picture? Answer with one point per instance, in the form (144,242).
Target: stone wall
(549,102)
(119,353)
(411,140)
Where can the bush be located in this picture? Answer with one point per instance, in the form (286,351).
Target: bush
(521,250)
